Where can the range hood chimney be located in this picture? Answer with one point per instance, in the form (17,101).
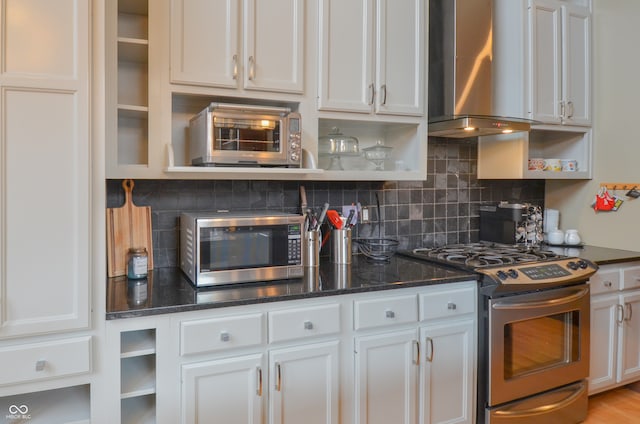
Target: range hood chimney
(460,77)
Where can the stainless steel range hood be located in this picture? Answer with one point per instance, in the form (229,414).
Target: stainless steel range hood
(460,77)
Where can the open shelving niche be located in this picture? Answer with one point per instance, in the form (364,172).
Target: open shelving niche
(67,404)
(138,376)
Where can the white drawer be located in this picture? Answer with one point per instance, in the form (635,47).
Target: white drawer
(447,303)
(385,311)
(208,335)
(298,323)
(605,281)
(630,278)
(37,361)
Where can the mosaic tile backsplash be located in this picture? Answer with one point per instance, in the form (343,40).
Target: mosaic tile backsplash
(441,210)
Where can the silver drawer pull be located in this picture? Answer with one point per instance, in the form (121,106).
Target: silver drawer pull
(40,364)
(224,336)
(389,314)
(308,325)
(452,306)
(608,283)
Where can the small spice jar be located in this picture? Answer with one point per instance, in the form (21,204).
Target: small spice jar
(137,263)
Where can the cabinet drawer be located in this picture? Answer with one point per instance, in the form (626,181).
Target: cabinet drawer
(387,311)
(299,323)
(605,281)
(630,278)
(45,360)
(447,303)
(207,335)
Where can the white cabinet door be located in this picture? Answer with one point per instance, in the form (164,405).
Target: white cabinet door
(576,64)
(400,44)
(205,42)
(372,55)
(45,167)
(448,376)
(304,384)
(226,390)
(546,61)
(604,342)
(215,43)
(386,379)
(560,61)
(629,336)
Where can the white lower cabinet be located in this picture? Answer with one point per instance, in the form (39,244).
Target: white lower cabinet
(615,327)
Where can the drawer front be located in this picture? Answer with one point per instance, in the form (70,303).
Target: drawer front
(45,360)
(605,281)
(447,303)
(386,311)
(630,278)
(299,323)
(209,335)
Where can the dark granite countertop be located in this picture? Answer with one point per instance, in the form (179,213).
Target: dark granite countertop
(167,290)
(599,255)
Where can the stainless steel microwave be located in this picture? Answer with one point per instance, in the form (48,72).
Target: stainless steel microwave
(233,247)
(225,134)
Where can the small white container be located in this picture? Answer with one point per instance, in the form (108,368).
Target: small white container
(555,237)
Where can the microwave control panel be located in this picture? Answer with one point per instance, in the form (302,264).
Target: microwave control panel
(295,244)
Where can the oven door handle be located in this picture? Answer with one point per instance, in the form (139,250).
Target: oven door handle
(576,392)
(552,301)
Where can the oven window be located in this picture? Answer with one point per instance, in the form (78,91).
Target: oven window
(247,135)
(541,343)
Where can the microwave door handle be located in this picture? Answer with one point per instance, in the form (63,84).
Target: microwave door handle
(541,303)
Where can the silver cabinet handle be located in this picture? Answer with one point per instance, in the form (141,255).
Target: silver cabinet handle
(628,315)
(389,314)
(416,345)
(562,109)
(259,382)
(620,311)
(383,90)
(278,377)
(608,283)
(452,306)
(570,107)
(430,349)
(308,325)
(40,364)
(235,66)
(252,68)
(371,94)
(224,336)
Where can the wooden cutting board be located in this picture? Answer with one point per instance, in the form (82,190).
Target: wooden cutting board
(127,226)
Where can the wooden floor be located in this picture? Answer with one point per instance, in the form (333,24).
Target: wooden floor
(621,405)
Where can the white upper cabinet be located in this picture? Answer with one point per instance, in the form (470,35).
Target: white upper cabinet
(372,55)
(45,167)
(251,45)
(560,62)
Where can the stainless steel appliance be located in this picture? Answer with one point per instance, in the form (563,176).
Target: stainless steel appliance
(511,223)
(533,331)
(225,134)
(227,247)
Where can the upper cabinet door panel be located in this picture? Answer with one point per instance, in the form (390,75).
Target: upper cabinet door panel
(346,55)
(204,42)
(401,51)
(576,27)
(39,38)
(545,24)
(274,45)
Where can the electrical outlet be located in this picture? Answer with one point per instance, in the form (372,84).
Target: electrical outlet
(346,210)
(365,216)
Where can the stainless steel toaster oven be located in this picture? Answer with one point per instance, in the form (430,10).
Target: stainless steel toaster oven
(225,134)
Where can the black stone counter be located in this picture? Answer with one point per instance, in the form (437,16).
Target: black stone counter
(599,255)
(167,290)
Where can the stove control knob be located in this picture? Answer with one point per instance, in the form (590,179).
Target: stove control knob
(513,273)
(572,265)
(583,264)
(502,275)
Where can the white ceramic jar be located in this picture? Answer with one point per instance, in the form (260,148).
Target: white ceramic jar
(556,237)
(572,237)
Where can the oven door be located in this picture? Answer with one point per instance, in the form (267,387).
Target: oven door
(537,342)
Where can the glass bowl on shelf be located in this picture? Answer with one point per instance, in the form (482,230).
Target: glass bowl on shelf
(377,154)
(336,145)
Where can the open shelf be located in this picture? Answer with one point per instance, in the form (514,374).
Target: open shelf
(64,405)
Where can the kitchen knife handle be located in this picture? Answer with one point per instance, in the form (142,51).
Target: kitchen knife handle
(259,382)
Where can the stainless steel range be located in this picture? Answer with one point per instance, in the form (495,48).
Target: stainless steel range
(533,330)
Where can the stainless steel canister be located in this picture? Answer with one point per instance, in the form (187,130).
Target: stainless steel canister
(311,248)
(341,246)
